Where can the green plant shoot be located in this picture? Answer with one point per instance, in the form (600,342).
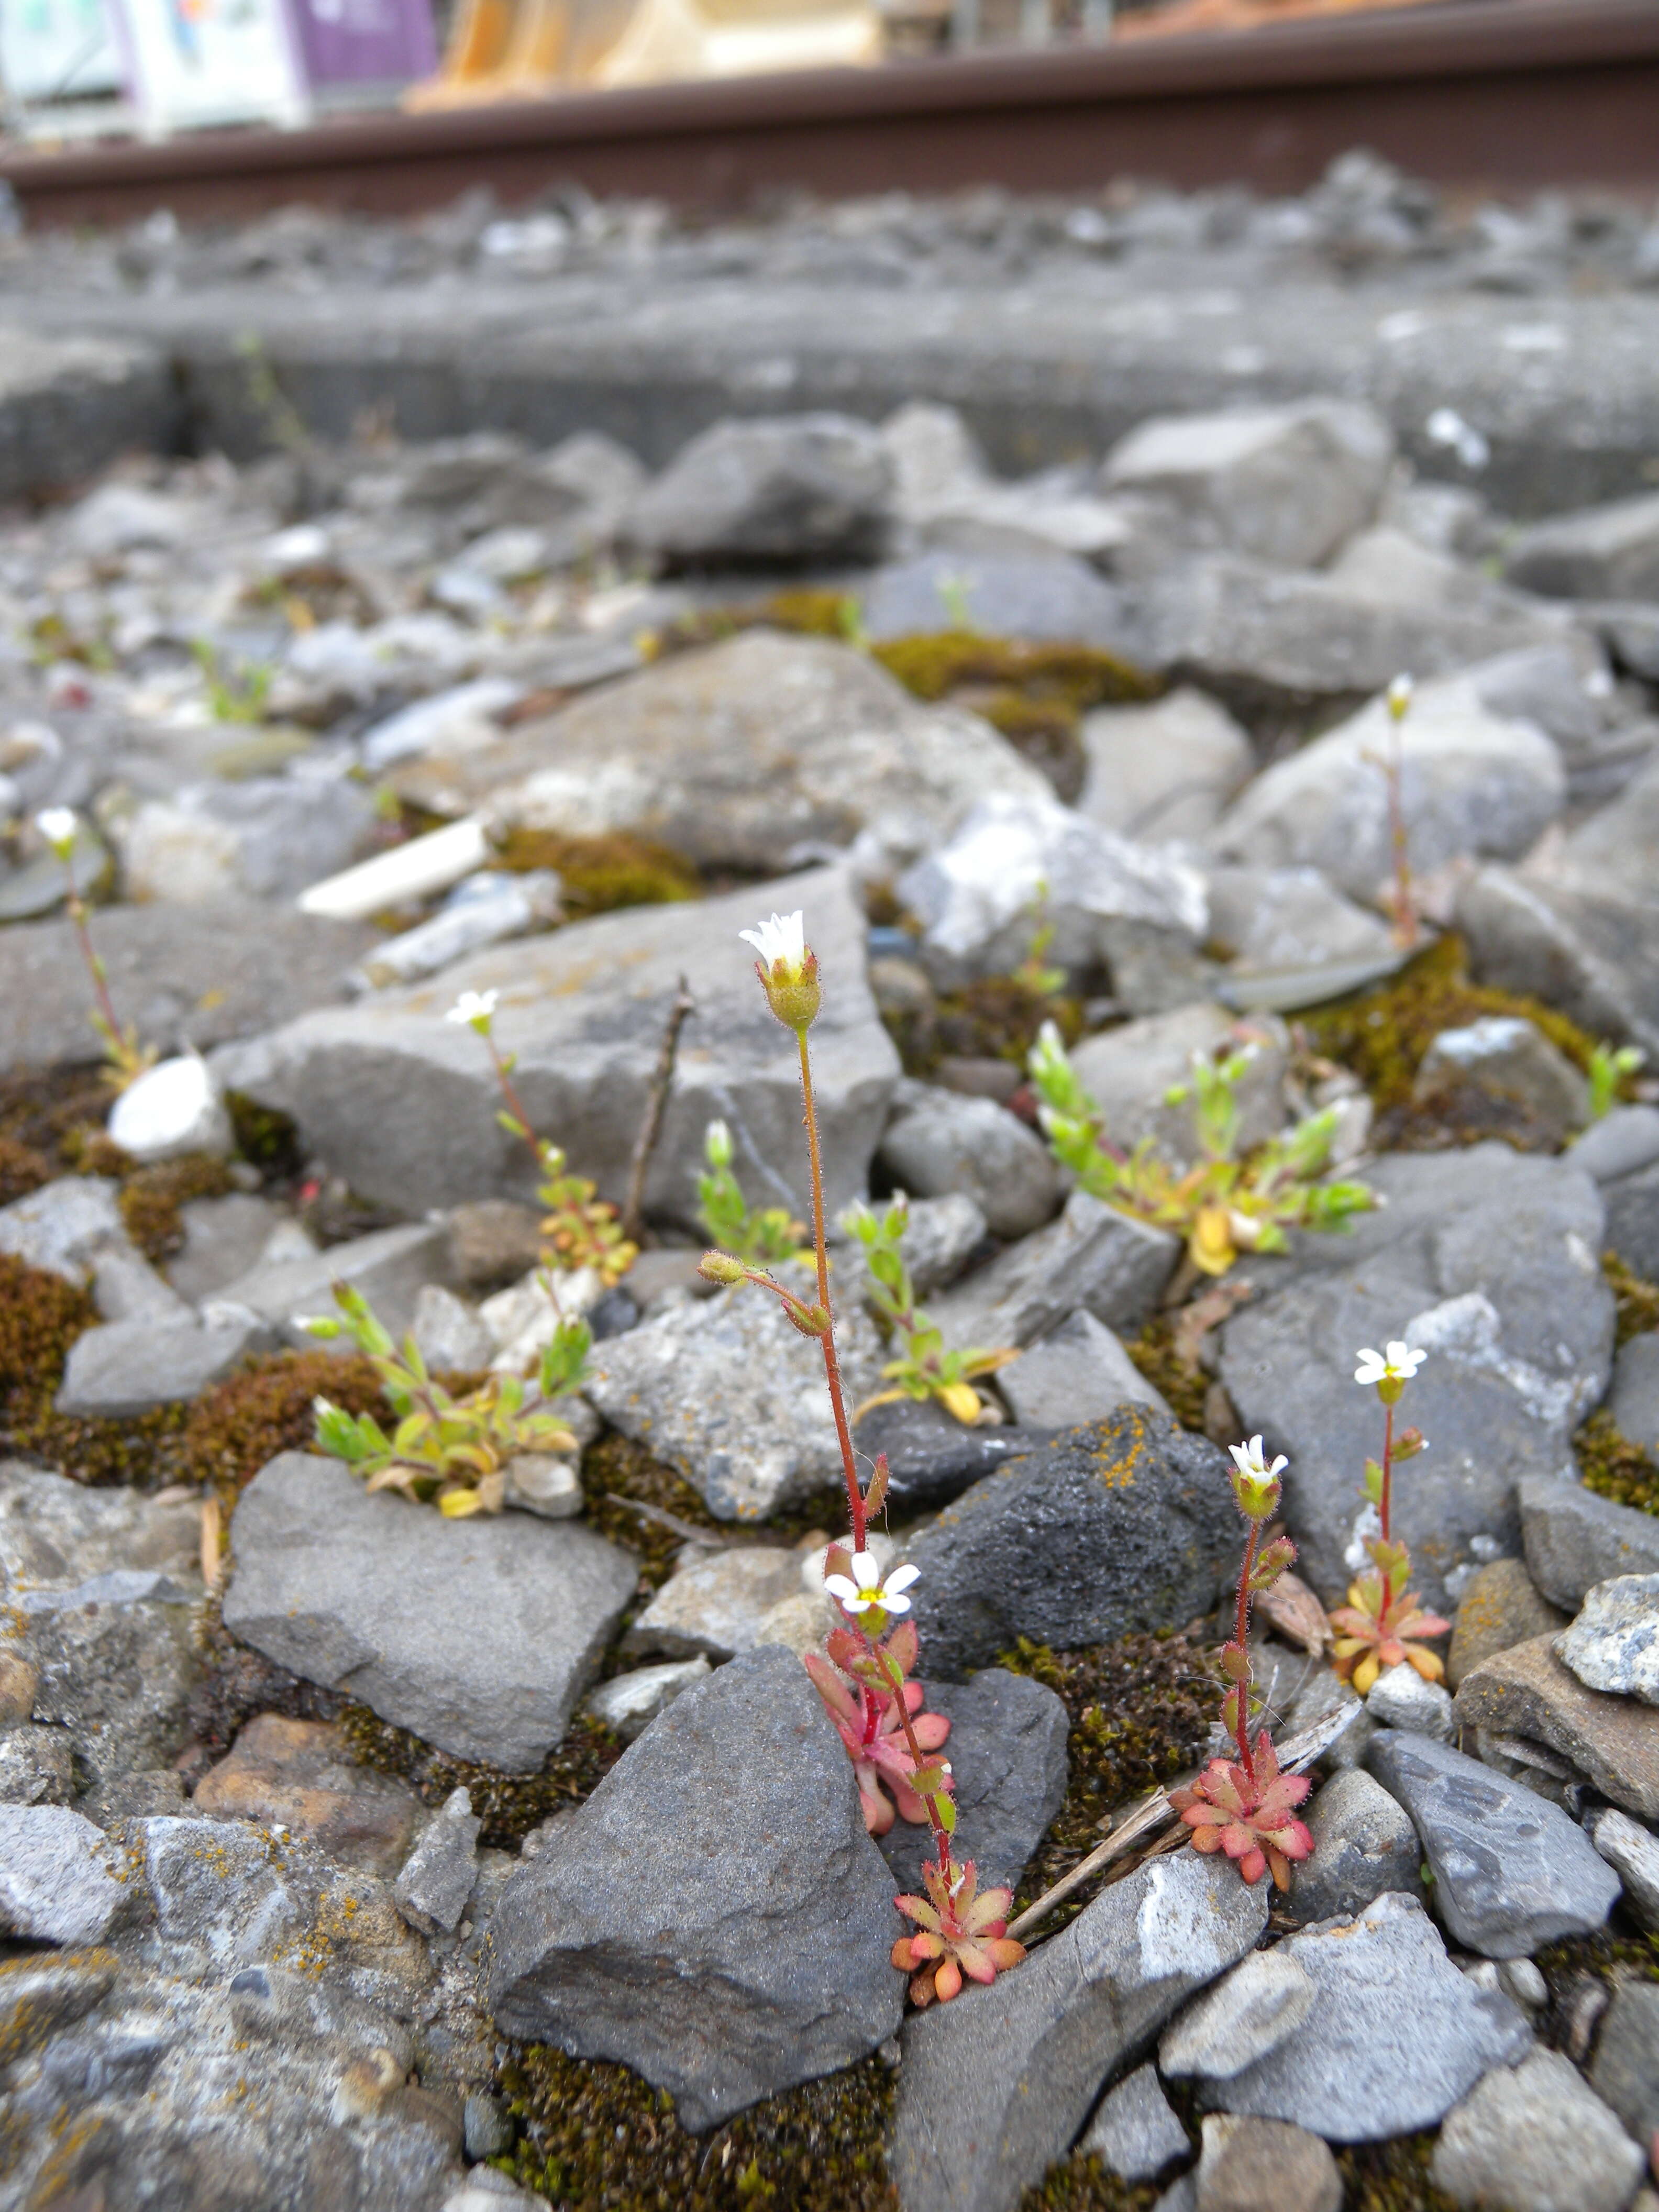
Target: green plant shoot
(923,1367)
(764,1234)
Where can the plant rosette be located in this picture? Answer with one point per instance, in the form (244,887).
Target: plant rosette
(959,1933)
(1250,1817)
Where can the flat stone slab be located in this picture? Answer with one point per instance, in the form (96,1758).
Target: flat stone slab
(480,1635)
(127,1367)
(403,1104)
(1529,1692)
(1575,1540)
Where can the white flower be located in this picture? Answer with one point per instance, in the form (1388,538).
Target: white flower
(867,1592)
(57,825)
(474,1010)
(1400,695)
(782,938)
(1397,1364)
(1249,1460)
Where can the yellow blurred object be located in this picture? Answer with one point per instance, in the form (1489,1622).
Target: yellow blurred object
(508,49)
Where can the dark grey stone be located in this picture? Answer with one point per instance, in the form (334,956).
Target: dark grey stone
(68,406)
(223,1237)
(437,1877)
(1078,1372)
(1633,1220)
(1575,1539)
(1634,1403)
(404,1104)
(1395,2037)
(390,1267)
(1536,2140)
(60,1881)
(790,488)
(1609,552)
(1364,1845)
(1093,1257)
(1125,1523)
(128,1367)
(119,1662)
(995,2086)
(1511,1872)
(1625,2071)
(938,1141)
(716,1915)
(36,1766)
(1488,1260)
(480,1635)
(1135,2133)
(930,1457)
(1595,958)
(1007,1752)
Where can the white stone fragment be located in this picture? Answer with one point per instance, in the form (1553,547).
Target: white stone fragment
(171,1108)
(414,871)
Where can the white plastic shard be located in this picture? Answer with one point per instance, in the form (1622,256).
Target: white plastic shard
(414,871)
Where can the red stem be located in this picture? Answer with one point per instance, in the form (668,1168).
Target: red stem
(831,1366)
(1241,1633)
(515,1105)
(1386,1499)
(77,914)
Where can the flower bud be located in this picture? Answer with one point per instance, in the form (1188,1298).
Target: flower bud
(721,1268)
(794,999)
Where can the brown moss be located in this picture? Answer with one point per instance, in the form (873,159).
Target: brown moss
(1390,2176)
(267,1139)
(1615,1467)
(1083,2183)
(1382,1035)
(21,1169)
(1618,1951)
(42,1106)
(40,1317)
(996,1018)
(1154,1354)
(265,1408)
(236,1682)
(597,2138)
(1140,1710)
(602,873)
(509,1805)
(616,1468)
(151,1197)
(1635,1300)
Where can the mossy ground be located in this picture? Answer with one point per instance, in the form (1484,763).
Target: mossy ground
(1154,1352)
(600,874)
(597,2138)
(509,1805)
(1635,1300)
(1140,1710)
(266,1407)
(40,1317)
(1390,2176)
(1083,2184)
(996,1018)
(1382,1035)
(1615,1467)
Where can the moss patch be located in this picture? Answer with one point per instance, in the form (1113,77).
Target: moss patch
(1382,1035)
(1084,2184)
(21,1169)
(266,1408)
(1140,1710)
(1635,1300)
(509,1805)
(1390,2176)
(616,1468)
(237,1682)
(996,1018)
(597,2138)
(1620,1952)
(42,1106)
(40,1317)
(602,873)
(1154,1354)
(151,1198)
(1615,1467)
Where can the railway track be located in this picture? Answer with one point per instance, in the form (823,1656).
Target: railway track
(1500,94)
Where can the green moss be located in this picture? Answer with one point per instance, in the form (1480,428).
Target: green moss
(1382,1035)
(597,2138)
(996,1018)
(1611,1954)
(1140,1710)
(1154,1354)
(41,1107)
(264,1137)
(265,1408)
(509,1805)
(151,1198)
(602,873)
(1390,2176)
(1615,1467)
(616,1468)
(1635,1300)
(1083,2183)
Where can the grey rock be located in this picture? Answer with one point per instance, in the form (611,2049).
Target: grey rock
(1633,1220)
(403,1104)
(1502,1065)
(1007,1751)
(1595,958)
(1625,2071)
(725,1849)
(1133,2132)
(1603,856)
(37,1766)
(488,2132)
(1125,1523)
(1400,1699)
(716,1604)
(479,1635)
(1527,1693)
(1248,2165)
(1394,2037)
(547,1483)
(1634,1403)
(223,1238)
(1248,2013)
(1575,1540)
(627,1703)
(976,896)
(938,1141)
(219,1884)
(1487,1258)
(930,1457)
(1078,1372)
(1093,1259)
(1288,918)
(1632,1852)
(1285,485)
(1609,552)
(940,1237)
(1181,2196)
(1613,1644)
(56,1534)
(1536,2139)
(64,1227)
(437,1877)
(1472,782)
(128,1367)
(729,1392)
(390,1267)
(996,2085)
(737,754)
(496,907)
(449,1332)
(60,1881)
(1129,1071)
(781,488)
(1364,1845)
(1511,1872)
(118,1663)
(266,838)
(1054,598)
(1162,771)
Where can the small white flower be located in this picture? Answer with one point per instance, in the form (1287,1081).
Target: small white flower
(474,1010)
(781,939)
(1249,1460)
(1399,695)
(1398,1363)
(867,1592)
(57,825)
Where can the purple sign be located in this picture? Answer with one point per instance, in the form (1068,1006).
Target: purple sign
(364,42)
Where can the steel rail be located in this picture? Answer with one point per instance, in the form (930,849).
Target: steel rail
(1500,94)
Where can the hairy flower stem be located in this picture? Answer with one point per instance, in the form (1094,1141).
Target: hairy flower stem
(515,1105)
(1241,1633)
(1385,1495)
(77,907)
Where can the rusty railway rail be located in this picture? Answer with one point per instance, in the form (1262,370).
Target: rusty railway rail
(1500,94)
